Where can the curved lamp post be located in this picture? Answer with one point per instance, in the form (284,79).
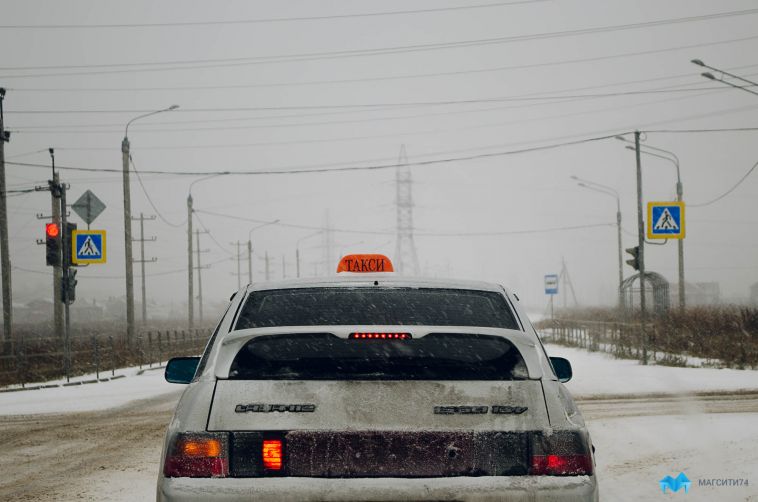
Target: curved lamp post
(125,152)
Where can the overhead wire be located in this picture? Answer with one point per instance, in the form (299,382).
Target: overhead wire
(210,234)
(267,20)
(563,61)
(420,234)
(732,189)
(310,56)
(150,199)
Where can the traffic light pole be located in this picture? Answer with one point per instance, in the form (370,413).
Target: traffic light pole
(5,261)
(641,244)
(57,273)
(65,270)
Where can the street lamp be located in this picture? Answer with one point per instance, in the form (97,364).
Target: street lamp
(128,223)
(711,76)
(604,189)
(250,248)
(297,248)
(190,264)
(671,157)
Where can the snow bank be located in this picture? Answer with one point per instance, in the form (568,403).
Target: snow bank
(89,397)
(599,373)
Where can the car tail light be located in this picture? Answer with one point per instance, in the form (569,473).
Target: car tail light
(197,455)
(380,336)
(272,454)
(561,454)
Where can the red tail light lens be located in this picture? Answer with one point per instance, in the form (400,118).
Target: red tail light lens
(198,455)
(380,336)
(561,465)
(562,453)
(272,452)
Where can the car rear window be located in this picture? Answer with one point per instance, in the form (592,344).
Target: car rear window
(325,356)
(376,306)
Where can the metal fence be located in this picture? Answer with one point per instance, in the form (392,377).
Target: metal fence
(667,342)
(42,359)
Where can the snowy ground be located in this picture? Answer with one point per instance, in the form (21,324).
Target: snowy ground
(102,441)
(600,373)
(135,385)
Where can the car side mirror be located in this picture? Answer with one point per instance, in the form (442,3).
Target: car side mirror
(562,368)
(181,369)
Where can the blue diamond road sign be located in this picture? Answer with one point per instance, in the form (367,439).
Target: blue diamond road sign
(88,246)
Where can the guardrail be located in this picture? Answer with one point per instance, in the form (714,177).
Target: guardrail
(42,359)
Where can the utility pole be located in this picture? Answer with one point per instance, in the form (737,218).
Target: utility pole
(268,273)
(57,272)
(249,262)
(127,242)
(284,267)
(641,244)
(190,280)
(125,157)
(200,275)
(142,260)
(5,260)
(297,261)
(66,271)
(239,259)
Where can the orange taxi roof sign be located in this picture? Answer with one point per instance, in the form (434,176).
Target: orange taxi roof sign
(365,263)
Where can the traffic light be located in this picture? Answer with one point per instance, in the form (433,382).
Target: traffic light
(635,261)
(68,287)
(53,244)
(67,240)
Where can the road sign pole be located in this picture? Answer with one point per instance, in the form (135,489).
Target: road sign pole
(641,244)
(5,261)
(57,274)
(65,269)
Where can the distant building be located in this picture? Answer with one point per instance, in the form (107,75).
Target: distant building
(754,294)
(697,293)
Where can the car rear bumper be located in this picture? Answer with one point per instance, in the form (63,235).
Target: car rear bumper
(486,488)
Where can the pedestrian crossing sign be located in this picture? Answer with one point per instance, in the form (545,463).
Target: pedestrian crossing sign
(665,220)
(88,246)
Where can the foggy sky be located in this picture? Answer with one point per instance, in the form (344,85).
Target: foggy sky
(530,191)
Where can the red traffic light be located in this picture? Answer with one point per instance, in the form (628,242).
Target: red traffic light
(52,230)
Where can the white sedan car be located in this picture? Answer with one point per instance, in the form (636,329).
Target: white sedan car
(372,386)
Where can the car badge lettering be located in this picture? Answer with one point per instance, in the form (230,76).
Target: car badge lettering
(271,408)
(479,410)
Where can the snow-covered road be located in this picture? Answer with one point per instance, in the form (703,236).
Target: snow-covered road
(646,423)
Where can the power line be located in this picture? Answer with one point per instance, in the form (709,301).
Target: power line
(424,234)
(239,61)
(205,228)
(393,105)
(150,200)
(556,99)
(395,77)
(334,169)
(267,20)
(744,177)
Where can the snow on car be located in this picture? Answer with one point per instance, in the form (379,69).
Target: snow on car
(374,386)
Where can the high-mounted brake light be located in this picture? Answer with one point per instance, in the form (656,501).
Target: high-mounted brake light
(365,263)
(272,453)
(198,455)
(380,336)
